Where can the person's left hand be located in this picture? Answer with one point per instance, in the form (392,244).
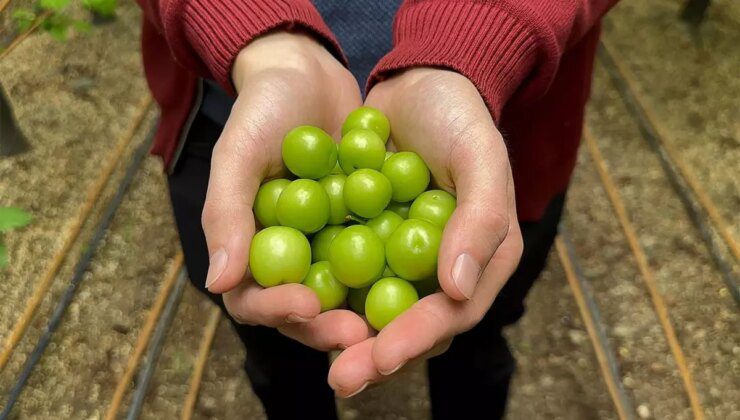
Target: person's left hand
(440,115)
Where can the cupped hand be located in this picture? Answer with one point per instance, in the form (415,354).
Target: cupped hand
(440,115)
(283,80)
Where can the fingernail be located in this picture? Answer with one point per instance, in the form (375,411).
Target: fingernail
(465,274)
(216,267)
(362,388)
(392,371)
(295,319)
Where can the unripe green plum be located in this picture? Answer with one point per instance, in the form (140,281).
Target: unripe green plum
(408,174)
(309,152)
(360,149)
(334,186)
(368,118)
(356,256)
(413,248)
(367,192)
(265,202)
(434,206)
(303,205)
(279,255)
(321,241)
(330,291)
(401,209)
(388,298)
(384,224)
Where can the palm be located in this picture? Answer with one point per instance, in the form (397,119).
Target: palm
(281,100)
(440,115)
(284,80)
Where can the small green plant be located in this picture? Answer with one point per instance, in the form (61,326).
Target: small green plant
(54,17)
(104,8)
(23,18)
(10,218)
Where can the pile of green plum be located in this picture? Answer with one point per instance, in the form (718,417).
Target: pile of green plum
(374,228)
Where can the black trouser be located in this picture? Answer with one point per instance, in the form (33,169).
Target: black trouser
(471,378)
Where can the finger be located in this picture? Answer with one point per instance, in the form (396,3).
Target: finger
(248,303)
(353,370)
(238,164)
(479,170)
(430,322)
(336,329)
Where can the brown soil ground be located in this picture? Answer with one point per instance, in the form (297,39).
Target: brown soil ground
(76,106)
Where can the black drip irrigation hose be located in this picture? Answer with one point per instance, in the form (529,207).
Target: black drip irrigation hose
(77,276)
(649,132)
(593,309)
(146,373)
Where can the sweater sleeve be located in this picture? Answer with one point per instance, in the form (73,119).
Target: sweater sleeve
(205,36)
(502,46)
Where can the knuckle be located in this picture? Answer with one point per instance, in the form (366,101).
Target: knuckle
(234,311)
(497,222)
(211,214)
(431,312)
(472,314)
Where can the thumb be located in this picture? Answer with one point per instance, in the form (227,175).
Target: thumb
(238,164)
(479,169)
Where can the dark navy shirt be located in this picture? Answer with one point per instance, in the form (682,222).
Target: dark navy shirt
(363,28)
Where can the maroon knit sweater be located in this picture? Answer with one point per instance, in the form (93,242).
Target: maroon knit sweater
(531,60)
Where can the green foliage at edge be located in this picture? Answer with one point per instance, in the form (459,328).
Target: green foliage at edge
(58,23)
(11,218)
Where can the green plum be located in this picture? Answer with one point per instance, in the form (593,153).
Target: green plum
(388,298)
(368,118)
(388,272)
(278,255)
(361,149)
(384,224)
(303,205)
(309,152)
(408,174)
(331,292)
(334,186)
(266,201)
(387,155)
(356,256)
(401,209)
(434,206)
(412,249)
(321,241)
(356,299)
(367,192)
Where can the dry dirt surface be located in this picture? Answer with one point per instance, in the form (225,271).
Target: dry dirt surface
(84,99)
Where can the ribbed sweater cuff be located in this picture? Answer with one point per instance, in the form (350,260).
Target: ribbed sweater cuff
(486,44)
(218,29)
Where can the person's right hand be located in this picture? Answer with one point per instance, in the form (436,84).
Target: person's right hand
(283,80)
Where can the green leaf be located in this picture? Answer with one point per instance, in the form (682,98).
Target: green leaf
(23,18)
(105,8)
(58,32)
(13,217)
(54,5)
(82,26)
(57,26)
(3,256)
